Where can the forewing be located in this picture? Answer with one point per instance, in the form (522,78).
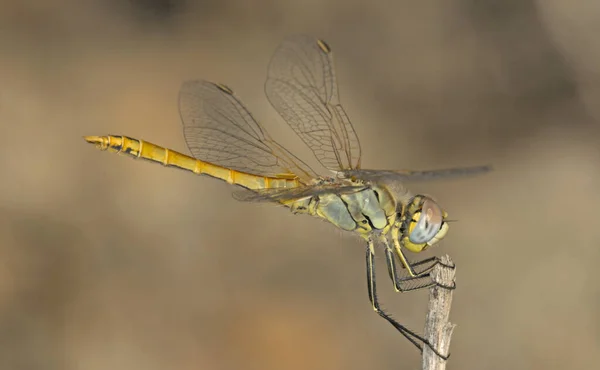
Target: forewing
(219,129)
(408,176)
(302,87)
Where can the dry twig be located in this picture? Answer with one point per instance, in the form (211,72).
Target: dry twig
(438,329)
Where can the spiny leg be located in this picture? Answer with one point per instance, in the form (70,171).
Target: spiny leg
(413,337)
(421,278)
(433,260)
(406,283)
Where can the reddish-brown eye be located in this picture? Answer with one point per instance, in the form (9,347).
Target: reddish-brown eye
(429,223)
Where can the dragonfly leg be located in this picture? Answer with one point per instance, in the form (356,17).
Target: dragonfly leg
(419,278)
(434,260)
(406,283)
(413,337)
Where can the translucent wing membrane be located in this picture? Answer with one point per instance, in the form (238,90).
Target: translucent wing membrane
(405,176)
(286,194)
(219,129)
(301,85)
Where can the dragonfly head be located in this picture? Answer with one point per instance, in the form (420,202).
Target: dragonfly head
(424,224)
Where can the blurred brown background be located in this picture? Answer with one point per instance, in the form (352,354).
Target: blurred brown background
(108,263)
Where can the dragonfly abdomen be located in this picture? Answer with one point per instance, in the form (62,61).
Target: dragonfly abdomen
(136,148)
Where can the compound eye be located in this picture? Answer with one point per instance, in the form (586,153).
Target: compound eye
(429,223)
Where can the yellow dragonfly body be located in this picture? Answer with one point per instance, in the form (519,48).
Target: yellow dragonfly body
(362,209)
(229,144)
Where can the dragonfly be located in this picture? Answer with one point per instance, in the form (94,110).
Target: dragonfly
(228,143)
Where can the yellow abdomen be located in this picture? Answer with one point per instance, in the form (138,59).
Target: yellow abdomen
(143,149)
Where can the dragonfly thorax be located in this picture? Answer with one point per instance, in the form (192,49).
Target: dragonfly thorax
(363,209)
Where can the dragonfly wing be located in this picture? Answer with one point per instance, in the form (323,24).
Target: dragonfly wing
(219,129)
(287,194)
(302,87)
(406,176)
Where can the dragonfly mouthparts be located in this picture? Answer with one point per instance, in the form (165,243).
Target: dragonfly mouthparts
(101,142)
